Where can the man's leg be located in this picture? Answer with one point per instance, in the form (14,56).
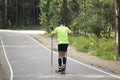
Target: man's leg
(63,60)
(60,64)
(60,61)
(64,55)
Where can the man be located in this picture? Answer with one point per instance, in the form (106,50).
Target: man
(62,33)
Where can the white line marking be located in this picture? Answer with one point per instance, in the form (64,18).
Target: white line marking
(10,67)
(94,68)
(79,61)
(22,46)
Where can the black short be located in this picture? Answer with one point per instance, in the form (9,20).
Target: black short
(62,47)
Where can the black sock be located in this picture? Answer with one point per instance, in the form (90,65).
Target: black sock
(59,62)
(64,60)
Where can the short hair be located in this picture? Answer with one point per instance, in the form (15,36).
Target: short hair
(61,21)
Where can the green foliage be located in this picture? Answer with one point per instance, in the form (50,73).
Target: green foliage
(49,13)
(103,48)
(80,43)
(94,16)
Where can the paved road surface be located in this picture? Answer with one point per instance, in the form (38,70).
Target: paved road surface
(23,58)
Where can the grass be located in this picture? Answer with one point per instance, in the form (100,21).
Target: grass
(103,48)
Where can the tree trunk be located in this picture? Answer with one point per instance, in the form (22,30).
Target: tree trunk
(5,18)
(37,12)
(117,22)
(84,20)
(17,12)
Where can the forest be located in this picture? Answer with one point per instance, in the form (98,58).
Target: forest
(92,20)
(16,13)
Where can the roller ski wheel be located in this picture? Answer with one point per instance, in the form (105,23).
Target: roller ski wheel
(63,72)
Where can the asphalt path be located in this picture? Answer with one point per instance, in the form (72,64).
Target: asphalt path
(23,58)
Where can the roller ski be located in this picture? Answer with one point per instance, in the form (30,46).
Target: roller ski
(60,71)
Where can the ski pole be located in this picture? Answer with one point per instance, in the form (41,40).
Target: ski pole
(51,50)
(51,54)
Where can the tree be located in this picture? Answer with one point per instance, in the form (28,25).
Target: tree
(65,13)
(45,13)
(117,20)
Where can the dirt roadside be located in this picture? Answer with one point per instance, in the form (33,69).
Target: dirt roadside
(112,66)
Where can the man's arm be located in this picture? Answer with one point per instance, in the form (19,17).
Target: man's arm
(70,32)
(52,34)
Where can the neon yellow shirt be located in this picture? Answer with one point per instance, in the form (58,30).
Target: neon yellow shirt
(62,34)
